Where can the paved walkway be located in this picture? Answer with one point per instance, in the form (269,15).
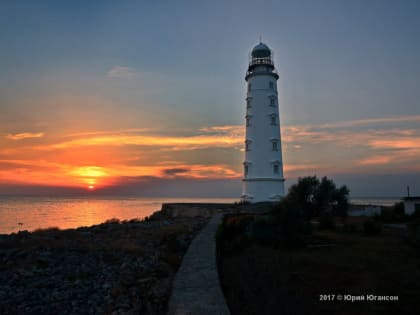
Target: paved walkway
(196,288)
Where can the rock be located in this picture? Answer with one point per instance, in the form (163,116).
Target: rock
(72,275)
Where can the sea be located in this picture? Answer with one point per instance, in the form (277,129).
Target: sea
(18,213)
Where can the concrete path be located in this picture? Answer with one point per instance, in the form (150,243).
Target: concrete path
(196,288)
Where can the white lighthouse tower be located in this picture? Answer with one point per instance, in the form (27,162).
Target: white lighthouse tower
(263,166)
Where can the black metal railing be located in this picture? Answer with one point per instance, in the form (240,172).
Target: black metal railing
(250,71)
(254,61)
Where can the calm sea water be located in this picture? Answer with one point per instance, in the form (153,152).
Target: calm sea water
(30,213)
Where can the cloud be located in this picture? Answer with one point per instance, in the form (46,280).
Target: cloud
(397,142)
(89,171)
(24,135)
(174,142)
(35,172)
(121,72)
(385,138)
(212,152)
(375,160)
(293,168)
(319,142)
(231,136)
(175,171)
(67,174)
(106,132)
(371,121)
(192,170)
(232,130)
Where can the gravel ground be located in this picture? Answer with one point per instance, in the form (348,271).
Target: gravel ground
(112,268)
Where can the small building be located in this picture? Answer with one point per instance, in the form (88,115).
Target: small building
(411,204)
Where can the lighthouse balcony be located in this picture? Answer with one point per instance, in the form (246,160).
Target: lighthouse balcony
(258,61)
(258,70)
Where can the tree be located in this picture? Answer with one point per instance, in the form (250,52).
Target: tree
(316,197)
(302,194)
(325,195)
(342,201)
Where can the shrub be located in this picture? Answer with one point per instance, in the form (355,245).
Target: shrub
(47,230)
(326,221)
(350,228)
(112,221)
(392,214)
(266,231)
(307,228)
(283,226)
(398,209)
(174,245)
(387,215)
(415,215)
(233,233)
(372,227)
(413,233)
(288,219)
(316,196)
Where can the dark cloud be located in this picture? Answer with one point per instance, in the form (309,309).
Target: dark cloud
(176,171)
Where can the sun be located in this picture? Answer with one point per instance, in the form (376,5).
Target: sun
(91,187)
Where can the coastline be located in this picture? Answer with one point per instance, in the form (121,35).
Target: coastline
(18,213)
(114,267)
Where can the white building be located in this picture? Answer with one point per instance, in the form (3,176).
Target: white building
(411,204)
(263,166)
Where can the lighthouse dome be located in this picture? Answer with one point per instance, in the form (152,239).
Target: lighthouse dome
(261,51)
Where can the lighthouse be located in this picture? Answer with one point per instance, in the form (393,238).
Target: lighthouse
(263,166)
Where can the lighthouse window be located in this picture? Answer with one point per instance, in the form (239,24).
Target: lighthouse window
(248,102)
(272,101)
(275,146)
(249,87)
(273,119)
(271,85)
(247,145)
(275,169)
(248,121)
(246,170)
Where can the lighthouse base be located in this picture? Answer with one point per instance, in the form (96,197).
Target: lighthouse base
(262,189)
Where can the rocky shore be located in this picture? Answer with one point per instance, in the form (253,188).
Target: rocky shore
(111,268)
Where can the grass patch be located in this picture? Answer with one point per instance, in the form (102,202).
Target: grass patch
(258,279)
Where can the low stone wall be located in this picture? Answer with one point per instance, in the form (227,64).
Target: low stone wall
(195,209)
(363,210)
(209,209)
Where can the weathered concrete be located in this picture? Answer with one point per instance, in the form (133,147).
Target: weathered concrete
(196,289)
(210,209)
(195,209)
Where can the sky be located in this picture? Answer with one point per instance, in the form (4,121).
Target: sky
(148,97)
